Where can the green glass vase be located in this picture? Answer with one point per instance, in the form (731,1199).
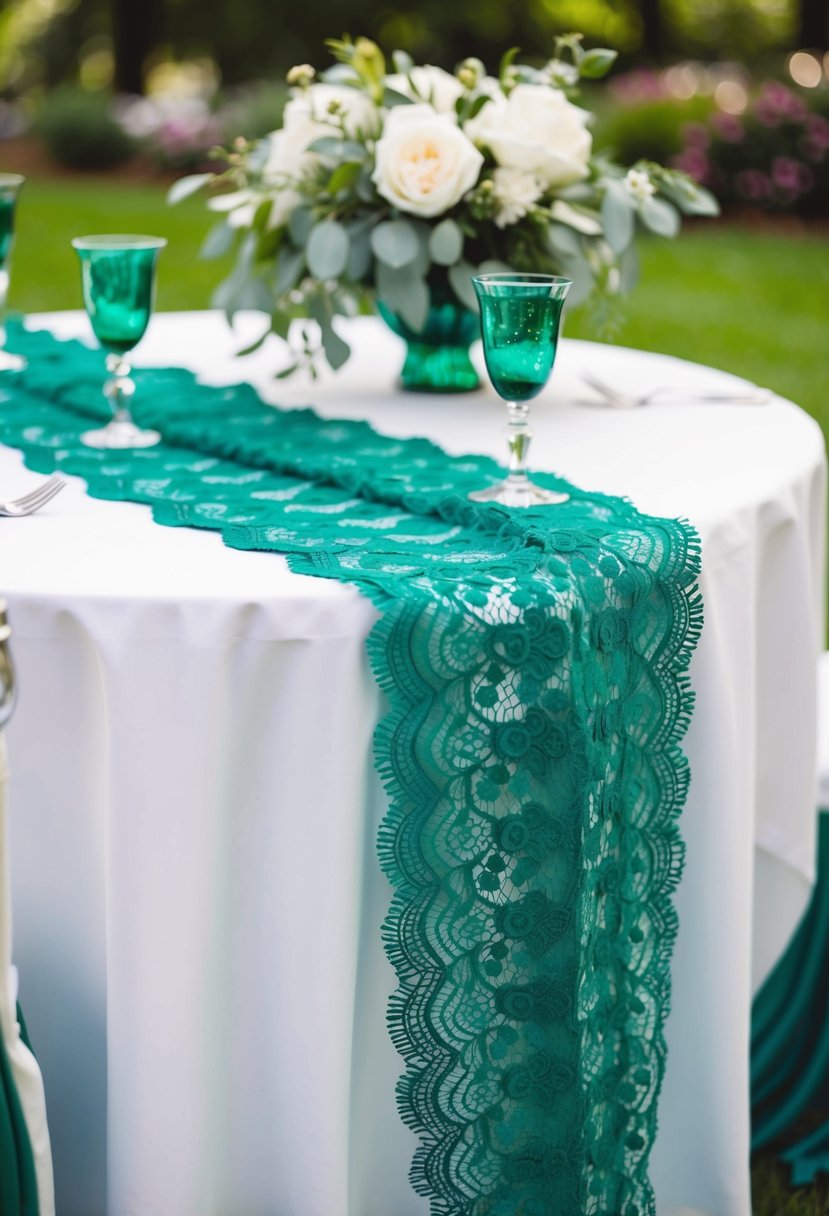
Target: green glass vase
(437,359)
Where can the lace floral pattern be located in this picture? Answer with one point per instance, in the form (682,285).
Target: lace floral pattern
(535,665)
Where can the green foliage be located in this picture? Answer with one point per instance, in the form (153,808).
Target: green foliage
(79,130)
(773,1195)
(649,130)
(773,157)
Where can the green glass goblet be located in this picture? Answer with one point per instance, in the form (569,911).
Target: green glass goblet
(10,184)
(118,277)
(520,319)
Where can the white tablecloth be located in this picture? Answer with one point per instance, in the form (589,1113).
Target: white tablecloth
(194,806)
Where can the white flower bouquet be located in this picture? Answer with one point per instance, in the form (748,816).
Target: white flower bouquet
(392,189)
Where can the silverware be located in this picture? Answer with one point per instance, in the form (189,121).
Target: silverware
(35,499)
(627,401)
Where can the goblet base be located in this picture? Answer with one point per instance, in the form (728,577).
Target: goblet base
(11,363)
(519,492)
(120,434)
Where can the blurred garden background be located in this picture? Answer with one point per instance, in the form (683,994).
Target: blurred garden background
(103,103)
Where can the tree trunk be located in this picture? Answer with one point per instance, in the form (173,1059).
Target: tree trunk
(136,32)
(653,29)
(813,25)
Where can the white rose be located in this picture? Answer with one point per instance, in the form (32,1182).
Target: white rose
(433,85)
(355,108)
(425,164)
(307,117)
(538,130)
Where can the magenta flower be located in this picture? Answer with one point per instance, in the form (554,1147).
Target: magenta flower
(752,185)
(791,176)
(694,162)
(695,135)
(728,127)
(777,104)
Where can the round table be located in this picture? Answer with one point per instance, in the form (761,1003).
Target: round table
(195,725)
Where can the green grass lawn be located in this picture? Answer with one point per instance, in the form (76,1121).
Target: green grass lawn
(754,303)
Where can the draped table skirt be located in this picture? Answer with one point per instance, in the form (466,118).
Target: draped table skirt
(194,731)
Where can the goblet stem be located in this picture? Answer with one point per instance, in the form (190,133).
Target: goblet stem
(516,490)
(519,438)
(121,432)
(120,388)
(8,361)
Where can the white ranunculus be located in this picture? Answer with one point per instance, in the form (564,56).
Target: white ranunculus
(425,164)
(538,130)
(433,85)
(514,191)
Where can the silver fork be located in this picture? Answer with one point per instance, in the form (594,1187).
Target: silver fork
(27,504)
(626,401)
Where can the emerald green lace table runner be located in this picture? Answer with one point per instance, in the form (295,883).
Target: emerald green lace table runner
(535,668)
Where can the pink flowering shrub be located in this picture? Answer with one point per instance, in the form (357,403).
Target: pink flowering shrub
(774,156)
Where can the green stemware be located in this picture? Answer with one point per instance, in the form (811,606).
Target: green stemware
(520,319)
(118,276)
(10,184)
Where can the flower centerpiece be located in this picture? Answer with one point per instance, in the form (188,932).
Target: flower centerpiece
(391,189)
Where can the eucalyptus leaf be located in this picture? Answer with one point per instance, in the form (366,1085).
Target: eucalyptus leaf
(289,267)
(460,280)
(185,186)
(366,191)
(395,243)
(218,241)
(596,63)
(267,244)
(660,216)
(446,243)
(326,251)
(337,351)
(618,218)
(423,262)
(689,197)
(280,323)
(242,291)
(392,98)
(262,214)
(331,147)
(405,293)
(359,255)
(254,346)
(563,241)
(231,294)
(300,225)
(628,269)
(344,175)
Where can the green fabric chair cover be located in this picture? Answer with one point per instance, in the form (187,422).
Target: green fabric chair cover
(790,1040)
(26,1185)
(18,1180)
